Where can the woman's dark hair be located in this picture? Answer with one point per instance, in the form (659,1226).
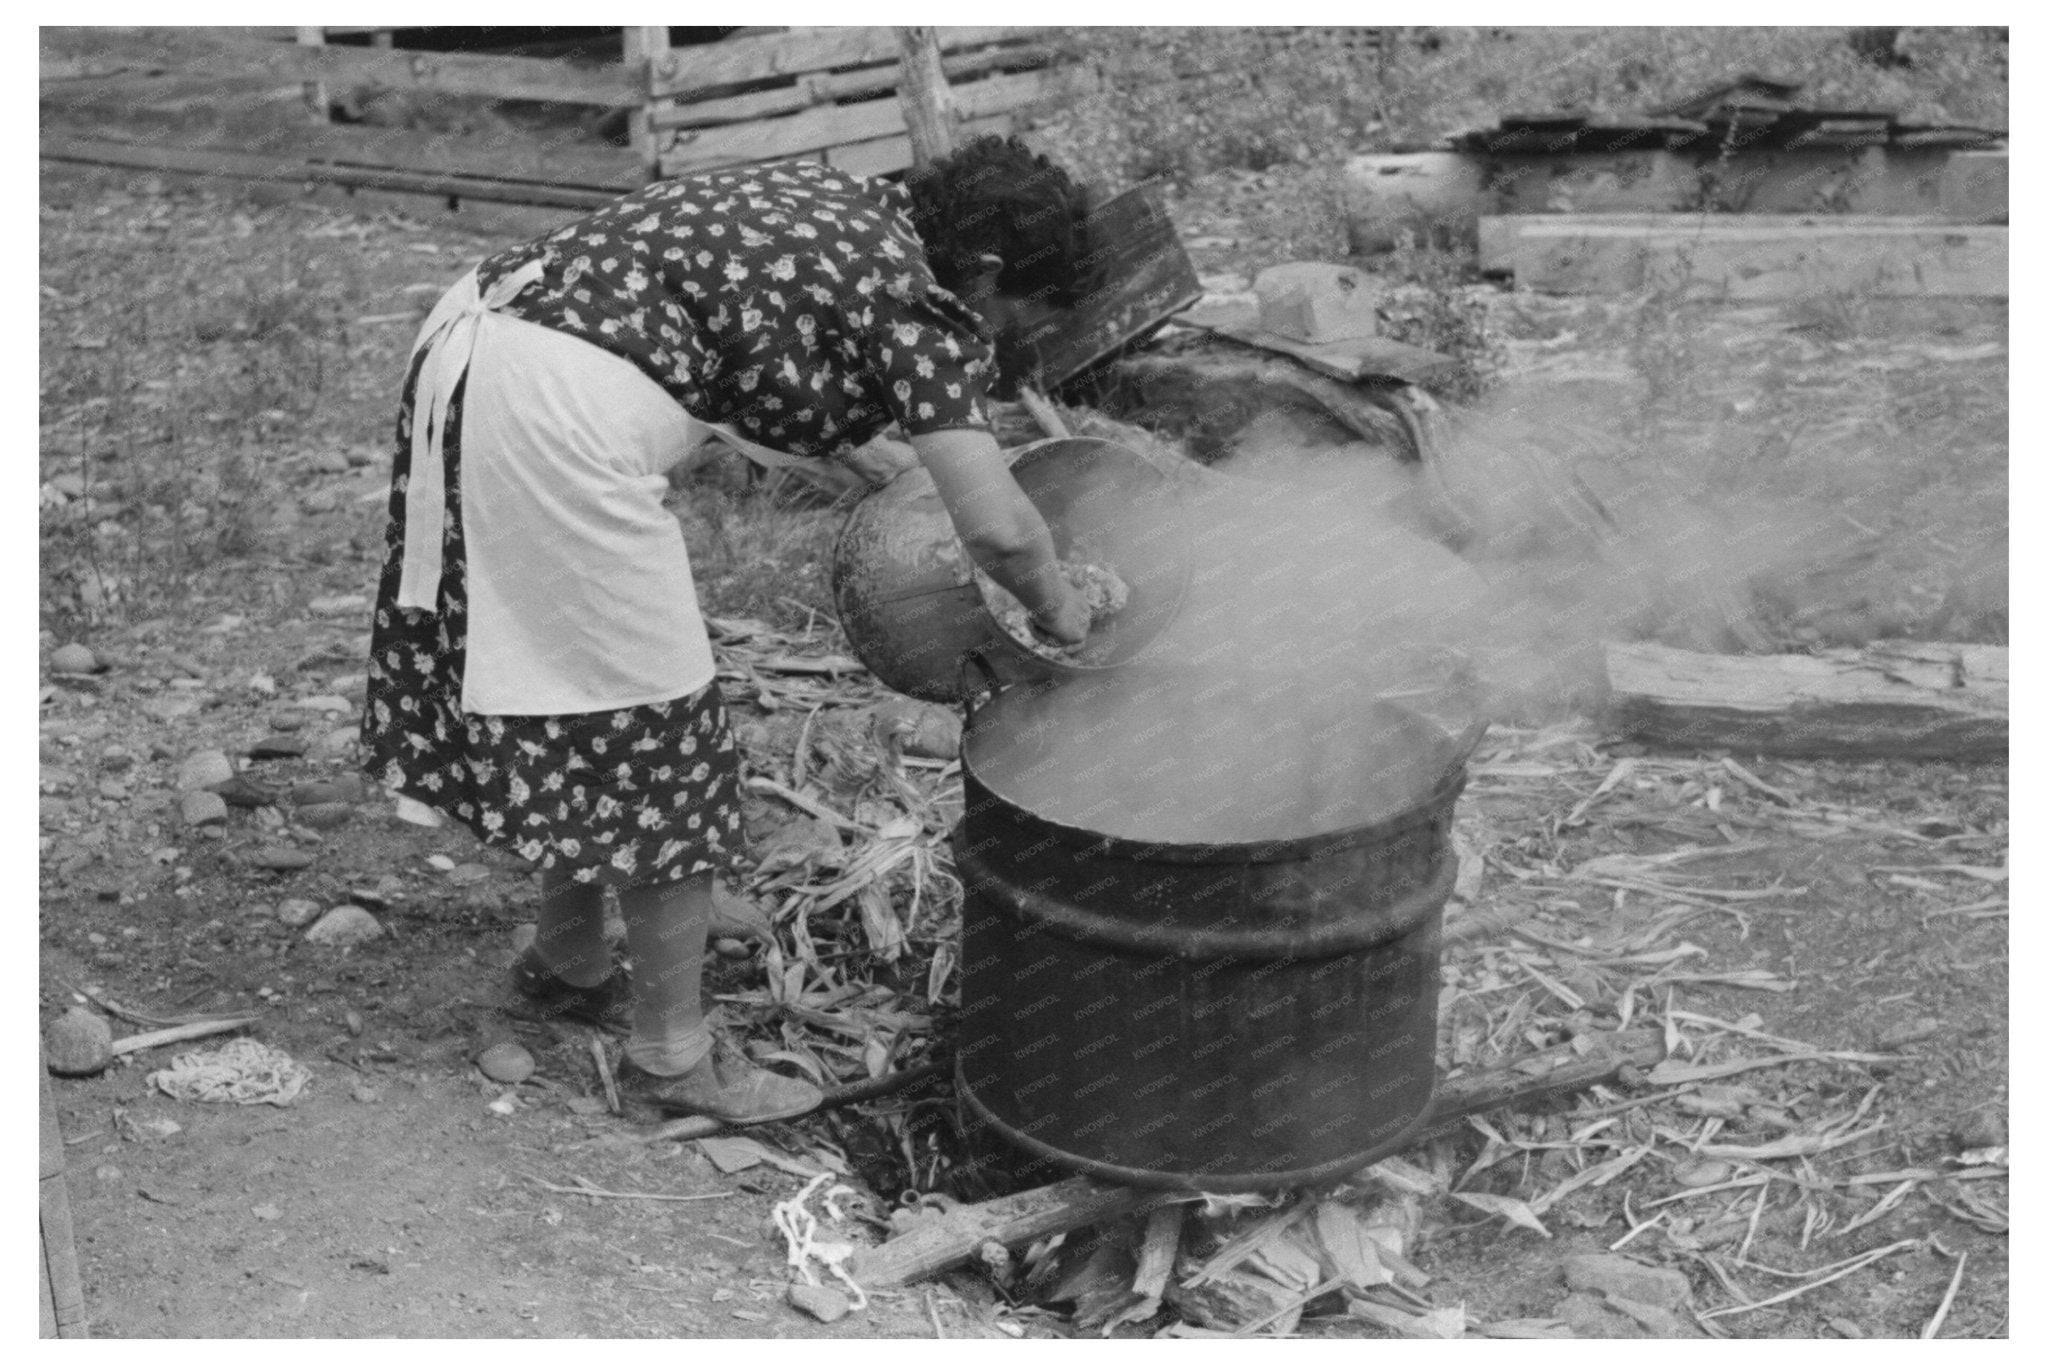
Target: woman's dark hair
(996,196)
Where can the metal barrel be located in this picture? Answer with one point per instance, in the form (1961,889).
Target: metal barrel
(1224,1017)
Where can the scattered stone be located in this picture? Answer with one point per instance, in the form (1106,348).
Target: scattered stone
(347,605)
(269,1213)
(505,1063)
(821,1301)
(731,947)
(116,759)
(523,936)
(335,743)
(279,746)
(324,815)
(365,1093)
(78,1043)
(327,791)
(344,926)
(117,791)
(325,702)
(468,874)
(320,502)
(106,1172)
(240,791)
(149,1129)
(328,461)
(202,808)
(1908,1033)
(1622,1278)
(274,859)
(286,721)
(174,705)
(297,914)
(358,456)
(205,770)
(73,659)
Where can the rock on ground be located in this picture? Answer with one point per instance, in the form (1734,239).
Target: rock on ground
(78,1043)
(73,658)
(505,1063)
(205,770)
(297,914)
(344,926)
(202,808)
(822,1302)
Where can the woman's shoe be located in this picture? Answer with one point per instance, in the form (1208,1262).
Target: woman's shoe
(724,1086)
(542,997)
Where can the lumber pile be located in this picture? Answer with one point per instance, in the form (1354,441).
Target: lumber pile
(1898,699)
(1755,257)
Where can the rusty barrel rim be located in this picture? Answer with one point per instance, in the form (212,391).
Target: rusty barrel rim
(1240,1182)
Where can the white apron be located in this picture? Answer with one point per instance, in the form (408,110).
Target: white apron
(579,595)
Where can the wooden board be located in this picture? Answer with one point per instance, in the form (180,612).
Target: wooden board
(1765,263)
(260,166)
(1498,233)
(464,73)
(740,144)
(1976,187)
(824,88)
(739,62)
(1015,1221)
(1896,700)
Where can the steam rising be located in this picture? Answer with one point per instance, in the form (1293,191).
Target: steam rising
(1333,656)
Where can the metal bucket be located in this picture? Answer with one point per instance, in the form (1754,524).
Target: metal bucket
(1222,1017)
(907,594)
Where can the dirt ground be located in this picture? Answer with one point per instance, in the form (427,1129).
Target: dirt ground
(406,1195)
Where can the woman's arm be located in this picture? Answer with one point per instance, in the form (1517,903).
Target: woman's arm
(1001,529)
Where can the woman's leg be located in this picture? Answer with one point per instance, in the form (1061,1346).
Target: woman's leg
(671,1044)
(666,924)
(570,936)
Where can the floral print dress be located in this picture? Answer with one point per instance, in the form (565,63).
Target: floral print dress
(792,304)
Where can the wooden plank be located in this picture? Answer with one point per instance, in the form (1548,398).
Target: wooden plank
(256,166)
(738,62)
(824,88)
(316,91)
(924,95)
(1900,699)
(1955,261)
(817,129)
(645,46)
(464,73)
(58,1243)
(1016,1220)
(1975,187)
(1498,233)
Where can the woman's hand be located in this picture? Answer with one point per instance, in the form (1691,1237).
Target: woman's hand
(1068,622)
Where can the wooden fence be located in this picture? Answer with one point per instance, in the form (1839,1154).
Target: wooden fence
(819,93)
